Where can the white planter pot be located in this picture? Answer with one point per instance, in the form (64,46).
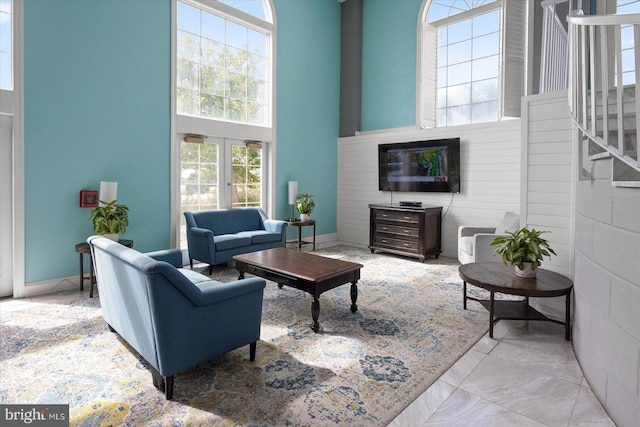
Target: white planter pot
(527,270)
(305,217)
(115,237)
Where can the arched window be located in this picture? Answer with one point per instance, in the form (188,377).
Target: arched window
(223,106)
(472,61)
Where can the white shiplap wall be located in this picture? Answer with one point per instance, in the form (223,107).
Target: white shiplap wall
(548,178)
(490,179)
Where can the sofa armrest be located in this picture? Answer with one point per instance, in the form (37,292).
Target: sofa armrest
(213,292)
(203,291)
(466,231)
(275,225)
(172,256)
(201,232)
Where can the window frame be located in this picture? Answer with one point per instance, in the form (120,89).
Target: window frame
(215,128)
(511,72)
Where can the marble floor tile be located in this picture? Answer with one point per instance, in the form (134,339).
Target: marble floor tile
(588,412)
(465,409)
(544,398)
(527,375)
(463,367)
(419,410)
(547,353)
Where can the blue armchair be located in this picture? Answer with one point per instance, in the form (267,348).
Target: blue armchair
(215,236)
(174,318)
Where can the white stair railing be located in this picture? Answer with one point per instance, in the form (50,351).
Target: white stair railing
(602,86)
(554,73)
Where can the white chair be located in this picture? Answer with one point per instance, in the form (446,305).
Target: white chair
(474,243)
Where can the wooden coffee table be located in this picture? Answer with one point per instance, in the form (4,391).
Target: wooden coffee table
(310,273)
(497,277)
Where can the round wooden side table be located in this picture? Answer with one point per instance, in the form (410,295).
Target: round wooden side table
(300,224)
(83,248)
(497,277)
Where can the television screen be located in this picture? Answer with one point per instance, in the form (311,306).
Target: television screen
(420,166)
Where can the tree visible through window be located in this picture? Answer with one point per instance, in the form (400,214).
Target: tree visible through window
(222,67)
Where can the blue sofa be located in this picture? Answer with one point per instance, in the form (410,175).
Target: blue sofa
(174,318)
(215,236)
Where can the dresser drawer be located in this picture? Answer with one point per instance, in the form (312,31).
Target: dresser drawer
(398,230)
(404,245)
(389,215)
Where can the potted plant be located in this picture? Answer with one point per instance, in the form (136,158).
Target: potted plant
(305,205)
(110,219)
(523,249)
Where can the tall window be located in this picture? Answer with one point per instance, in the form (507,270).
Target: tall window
(628,44)
(223,63)
(222,66)
(465,78)
(6,45)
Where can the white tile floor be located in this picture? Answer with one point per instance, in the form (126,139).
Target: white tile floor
(527,375)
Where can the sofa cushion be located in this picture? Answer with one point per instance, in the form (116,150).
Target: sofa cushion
(230,241)
(510,222)
(466,244)
(261,236)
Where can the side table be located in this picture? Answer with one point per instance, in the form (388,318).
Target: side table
(83,248)
(497,277)
(300,224)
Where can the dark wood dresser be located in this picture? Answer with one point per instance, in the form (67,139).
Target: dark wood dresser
(403,230)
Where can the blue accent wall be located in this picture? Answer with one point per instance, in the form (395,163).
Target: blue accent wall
(389,44)
(97,108)
(308,104)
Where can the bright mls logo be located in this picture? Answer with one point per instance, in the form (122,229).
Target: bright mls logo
(37,415)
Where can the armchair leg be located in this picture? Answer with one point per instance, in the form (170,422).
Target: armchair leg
(210,269)
(252,351)
(164,384)
(168,381)
(191,263)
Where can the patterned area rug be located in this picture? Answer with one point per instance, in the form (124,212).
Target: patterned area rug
(362,369)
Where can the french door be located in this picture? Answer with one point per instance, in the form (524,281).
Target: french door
(220,173)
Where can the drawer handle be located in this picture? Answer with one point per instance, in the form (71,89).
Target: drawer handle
(384,215)
(384,241)
(407,231)
(406,245)
(384,228)
(408,218)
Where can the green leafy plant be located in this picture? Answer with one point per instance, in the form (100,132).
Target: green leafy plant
(112,218)
(305,203)
(523,246)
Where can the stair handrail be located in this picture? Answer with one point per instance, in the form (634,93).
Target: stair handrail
(588,38)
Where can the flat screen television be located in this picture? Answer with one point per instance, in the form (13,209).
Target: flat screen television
(420,166)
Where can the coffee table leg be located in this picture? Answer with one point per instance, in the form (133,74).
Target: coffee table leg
(492,307)
(315,314)
(240,275)
(464,295)
(354,297)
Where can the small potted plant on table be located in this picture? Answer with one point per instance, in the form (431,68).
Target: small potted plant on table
(110,220)
(524,250)
(305,205)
